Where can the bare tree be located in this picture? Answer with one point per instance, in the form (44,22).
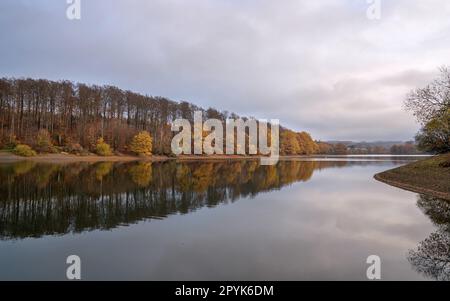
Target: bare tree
(433,100)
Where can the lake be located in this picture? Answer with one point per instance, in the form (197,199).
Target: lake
(303,219)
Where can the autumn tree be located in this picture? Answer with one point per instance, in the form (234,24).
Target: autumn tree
(102,148)
(307,146)
(431,106)
(289,143)
(142,144)
(324,148)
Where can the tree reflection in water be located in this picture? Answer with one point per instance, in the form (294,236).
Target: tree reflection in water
(49,199)
(432,256)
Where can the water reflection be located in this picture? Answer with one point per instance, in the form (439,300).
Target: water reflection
(47,199)
(286,231)
(432,256)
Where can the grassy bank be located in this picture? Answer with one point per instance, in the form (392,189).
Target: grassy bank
(428,176)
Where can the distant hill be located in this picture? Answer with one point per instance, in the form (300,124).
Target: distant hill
(376,147)
(364,144)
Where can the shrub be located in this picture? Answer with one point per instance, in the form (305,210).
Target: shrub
(142,144)
(102,148)
(44,142)
(74,148)
(24,151)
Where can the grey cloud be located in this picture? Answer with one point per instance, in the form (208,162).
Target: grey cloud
(320,66)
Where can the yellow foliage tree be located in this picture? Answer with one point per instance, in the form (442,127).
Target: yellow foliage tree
(289,143)
(24,151)
(142,144)
(307,146)
(102,148)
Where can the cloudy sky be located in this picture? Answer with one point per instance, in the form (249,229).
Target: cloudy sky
(321,66)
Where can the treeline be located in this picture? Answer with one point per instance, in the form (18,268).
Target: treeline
(81,114)
(74,116)
(407,148)
(62,116)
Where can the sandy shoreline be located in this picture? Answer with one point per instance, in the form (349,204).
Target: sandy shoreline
(6,157)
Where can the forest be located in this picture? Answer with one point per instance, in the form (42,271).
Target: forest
(62,116)
(74,116)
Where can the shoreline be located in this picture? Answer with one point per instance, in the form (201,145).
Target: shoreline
(8,157)
(424,177)
(412,188)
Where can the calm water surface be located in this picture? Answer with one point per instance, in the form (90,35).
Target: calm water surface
(299,220)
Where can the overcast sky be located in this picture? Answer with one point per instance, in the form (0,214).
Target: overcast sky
(320,66)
